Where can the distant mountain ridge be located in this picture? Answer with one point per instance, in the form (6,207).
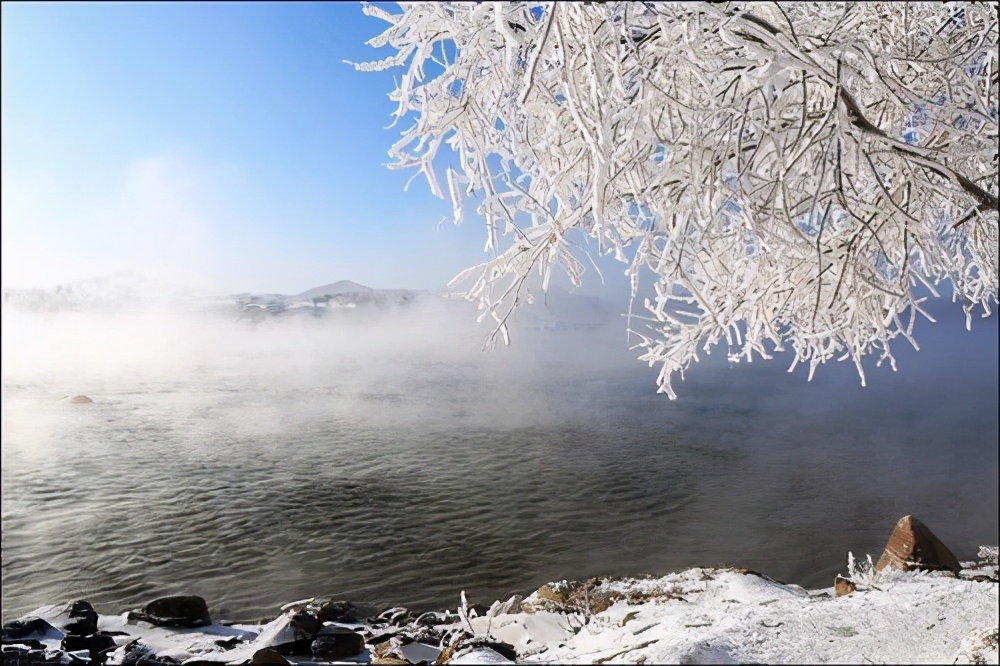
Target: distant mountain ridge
(555,309)
(335,289)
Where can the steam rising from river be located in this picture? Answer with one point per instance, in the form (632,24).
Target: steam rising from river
(430,347)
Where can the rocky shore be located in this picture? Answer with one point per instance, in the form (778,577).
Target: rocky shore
(918,603)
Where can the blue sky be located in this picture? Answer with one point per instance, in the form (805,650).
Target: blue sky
(223,145)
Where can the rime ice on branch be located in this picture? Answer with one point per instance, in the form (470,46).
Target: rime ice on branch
(790,172)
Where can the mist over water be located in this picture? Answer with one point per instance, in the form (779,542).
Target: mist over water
(383,458)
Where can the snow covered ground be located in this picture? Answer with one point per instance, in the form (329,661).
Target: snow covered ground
(708,616)
(695,616)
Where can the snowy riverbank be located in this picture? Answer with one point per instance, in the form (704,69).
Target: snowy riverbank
(695,616)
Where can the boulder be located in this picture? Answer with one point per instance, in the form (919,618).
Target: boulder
(131,653)
(99,645)
(330,610)
(178,611)
(80,400)
(29,626)
(307,624)
(913,546)
(843,586)
(337,643)
(18,655)
(82,618)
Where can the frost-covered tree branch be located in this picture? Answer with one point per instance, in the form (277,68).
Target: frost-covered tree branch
(788,172)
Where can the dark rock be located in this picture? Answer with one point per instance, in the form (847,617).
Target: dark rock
(913,546)
(83,618)
(102,644)
(329,610)
(95,644)
(15,656)
(298,648)
(268,657)
(337,643)
(843,586)
(478,610)
(229,643)
(307,624)
(179,611)
(29,626)
(133,652)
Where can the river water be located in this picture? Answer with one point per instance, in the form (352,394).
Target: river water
(396,464)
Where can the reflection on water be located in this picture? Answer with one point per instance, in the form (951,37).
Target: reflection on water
(255,483)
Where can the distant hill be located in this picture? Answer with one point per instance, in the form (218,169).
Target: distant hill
(319,301)
(335,289)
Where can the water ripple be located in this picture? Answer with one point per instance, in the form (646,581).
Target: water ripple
(253,496)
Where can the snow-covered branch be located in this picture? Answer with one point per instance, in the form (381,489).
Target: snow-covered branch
(788,172)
